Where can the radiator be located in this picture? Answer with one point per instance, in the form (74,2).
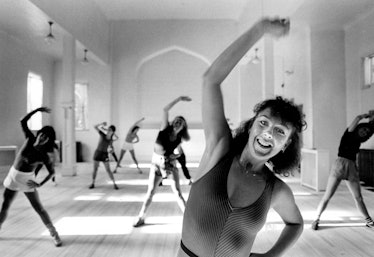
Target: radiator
(314,169)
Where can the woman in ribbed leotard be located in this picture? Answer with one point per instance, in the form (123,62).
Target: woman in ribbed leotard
(163,163)
(235,185)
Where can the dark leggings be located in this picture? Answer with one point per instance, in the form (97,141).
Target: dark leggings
(182,160)
(33,197)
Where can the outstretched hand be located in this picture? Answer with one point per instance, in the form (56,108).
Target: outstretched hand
(185,98)
(364,116)
(32,184)
(44,109)
(276,27)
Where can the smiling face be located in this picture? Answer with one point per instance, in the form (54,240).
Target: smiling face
(268,136)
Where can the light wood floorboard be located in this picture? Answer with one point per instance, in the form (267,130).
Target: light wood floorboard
(98,222)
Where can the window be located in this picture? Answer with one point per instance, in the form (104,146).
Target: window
(368,71)
(34,99)
(81,115)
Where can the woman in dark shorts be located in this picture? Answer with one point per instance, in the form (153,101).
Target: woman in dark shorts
(344,167)
(101,153)
(21,177)
(163,163)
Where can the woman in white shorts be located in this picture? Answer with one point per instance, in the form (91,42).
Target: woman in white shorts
(21,176)
(163,163)
(131,139)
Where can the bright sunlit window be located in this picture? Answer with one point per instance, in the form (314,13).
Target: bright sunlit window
(368,71)
(34,99)
(81,106)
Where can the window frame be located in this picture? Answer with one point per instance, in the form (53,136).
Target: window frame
(84,112)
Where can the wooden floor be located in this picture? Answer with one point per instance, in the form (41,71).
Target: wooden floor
(98,222)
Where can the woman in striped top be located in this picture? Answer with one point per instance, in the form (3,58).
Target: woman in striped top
(235,185)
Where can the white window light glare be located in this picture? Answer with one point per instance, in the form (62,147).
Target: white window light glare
(34,99)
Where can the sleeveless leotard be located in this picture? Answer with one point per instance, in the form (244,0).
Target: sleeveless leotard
(211,226)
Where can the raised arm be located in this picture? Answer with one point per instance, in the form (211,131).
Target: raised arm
(134,125)
(216,129)
(356,120)
(165,117)
(138,122)
(26,118)
(100,127)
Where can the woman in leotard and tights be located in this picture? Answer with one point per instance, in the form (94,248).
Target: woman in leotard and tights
(235,185)
(21,176)
(169,138)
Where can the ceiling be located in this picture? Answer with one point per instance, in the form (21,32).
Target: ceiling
(25,22)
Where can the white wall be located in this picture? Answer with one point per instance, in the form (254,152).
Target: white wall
(328,89)
(16,61)
(84,21)
(156,61)
(359,38)
(98,78)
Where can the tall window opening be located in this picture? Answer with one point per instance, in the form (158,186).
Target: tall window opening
(34,99)
(368,71)
(81,106)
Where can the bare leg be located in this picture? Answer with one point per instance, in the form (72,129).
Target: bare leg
(355,189)
(8,196)
(153,182)
(175,186)
(332,185)
(38,207)
(94,173)
(119,160)
(132,152)
(107,168)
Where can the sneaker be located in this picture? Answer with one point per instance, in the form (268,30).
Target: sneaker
(139,223)
(57,240)
(370,223)
(92,186)
(315,225)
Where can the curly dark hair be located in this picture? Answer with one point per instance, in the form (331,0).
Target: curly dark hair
(284,162)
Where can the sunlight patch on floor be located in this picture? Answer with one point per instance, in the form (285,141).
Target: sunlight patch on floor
(162,225)
(89,197)
(114,225)
(144,182)
(148,165)
(158,197)
(342,224)
(331,215)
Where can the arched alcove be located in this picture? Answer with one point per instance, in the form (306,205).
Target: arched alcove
(167,74)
